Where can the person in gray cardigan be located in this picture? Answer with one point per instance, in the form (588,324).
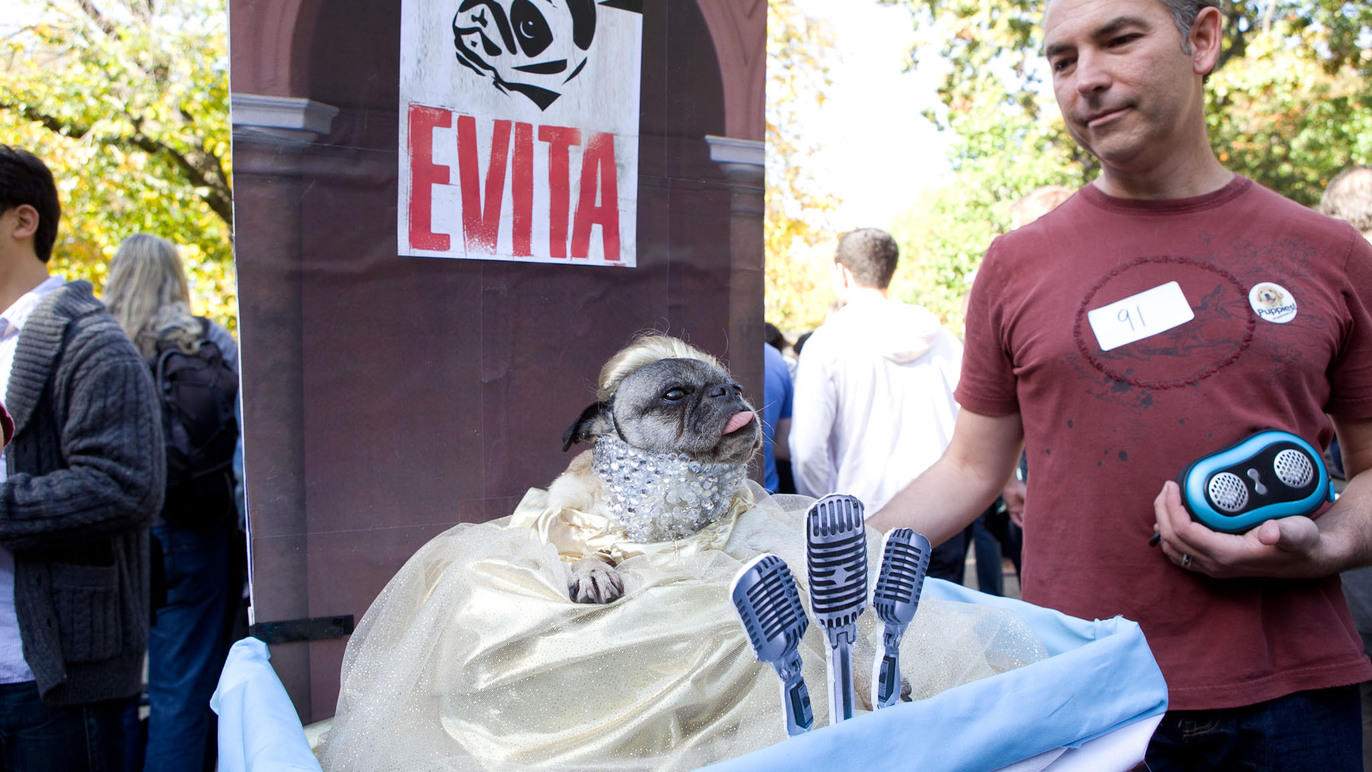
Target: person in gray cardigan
(83,479)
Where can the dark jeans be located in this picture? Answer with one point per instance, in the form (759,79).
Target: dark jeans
(1316,730)
(948,560)
(990,575)
(187,644)
(35,737)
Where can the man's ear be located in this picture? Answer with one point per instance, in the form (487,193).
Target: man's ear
(593,422)
(843,278)
(25,222)
(1206,38)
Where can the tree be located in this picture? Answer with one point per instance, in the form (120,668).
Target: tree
(127,102)
(1289,104)
(795,221)
(1287,118)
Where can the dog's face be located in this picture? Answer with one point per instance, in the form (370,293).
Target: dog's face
(676,406)
(525,46)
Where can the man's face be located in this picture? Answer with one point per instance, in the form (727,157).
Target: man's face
(1128,91)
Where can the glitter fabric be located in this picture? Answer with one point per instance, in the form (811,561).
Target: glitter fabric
(474,658)
(662,496)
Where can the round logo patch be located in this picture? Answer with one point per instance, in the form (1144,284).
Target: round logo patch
(1181,356)
(1271,302)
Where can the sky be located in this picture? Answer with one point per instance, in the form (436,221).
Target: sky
(876,152)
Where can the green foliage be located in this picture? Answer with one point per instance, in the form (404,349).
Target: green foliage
(796,272)
(128,104)
(1283,118)
(1289,105)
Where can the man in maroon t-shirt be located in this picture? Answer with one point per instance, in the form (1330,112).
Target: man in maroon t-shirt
(1167,310)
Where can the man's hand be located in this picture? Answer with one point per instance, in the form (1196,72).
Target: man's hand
(1013,496)
(949,495)
(1289,547)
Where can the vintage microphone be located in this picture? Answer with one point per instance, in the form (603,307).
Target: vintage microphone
(836,556)
(904,563)
(764,592)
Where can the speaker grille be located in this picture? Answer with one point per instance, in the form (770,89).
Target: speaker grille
(1227,491)
(1294,468)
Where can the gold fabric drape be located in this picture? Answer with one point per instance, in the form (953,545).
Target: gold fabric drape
(473,658)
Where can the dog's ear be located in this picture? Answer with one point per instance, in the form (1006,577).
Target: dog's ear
(593,422)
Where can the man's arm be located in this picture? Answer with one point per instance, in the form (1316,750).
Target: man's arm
(111,438)
(1290,547)
(962,483)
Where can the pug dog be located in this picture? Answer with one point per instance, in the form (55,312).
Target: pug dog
(662,399)
(525,47)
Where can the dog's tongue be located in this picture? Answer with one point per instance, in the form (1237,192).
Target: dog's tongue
(738,421)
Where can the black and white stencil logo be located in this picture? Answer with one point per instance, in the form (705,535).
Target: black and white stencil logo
(530,47)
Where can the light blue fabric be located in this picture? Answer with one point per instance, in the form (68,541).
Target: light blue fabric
(259,730)
(1099,676)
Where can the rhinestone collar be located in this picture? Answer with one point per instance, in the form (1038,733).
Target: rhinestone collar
(662,496)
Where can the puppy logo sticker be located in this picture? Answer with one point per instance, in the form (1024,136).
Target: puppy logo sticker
(1272,302)
(534,50)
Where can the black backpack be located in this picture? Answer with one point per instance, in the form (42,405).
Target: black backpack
(198,393)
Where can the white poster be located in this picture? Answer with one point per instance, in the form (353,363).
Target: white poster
(519,130)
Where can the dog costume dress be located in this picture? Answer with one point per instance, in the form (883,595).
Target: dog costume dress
(474,658)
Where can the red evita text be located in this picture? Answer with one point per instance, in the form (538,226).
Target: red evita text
(564,203)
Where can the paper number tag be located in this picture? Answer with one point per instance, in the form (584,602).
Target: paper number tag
(1140,316)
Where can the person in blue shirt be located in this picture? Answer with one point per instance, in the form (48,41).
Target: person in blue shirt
(776,419)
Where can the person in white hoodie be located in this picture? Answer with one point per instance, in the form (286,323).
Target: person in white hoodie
(873,403)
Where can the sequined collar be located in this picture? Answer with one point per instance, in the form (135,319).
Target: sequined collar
(662,496)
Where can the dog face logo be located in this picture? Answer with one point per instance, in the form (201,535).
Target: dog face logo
(532,47)
(1272,302)
(1269,296)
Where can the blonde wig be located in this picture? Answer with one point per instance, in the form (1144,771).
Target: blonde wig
(645,351)
(146,293)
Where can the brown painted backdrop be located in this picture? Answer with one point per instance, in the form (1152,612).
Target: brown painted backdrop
(387,398)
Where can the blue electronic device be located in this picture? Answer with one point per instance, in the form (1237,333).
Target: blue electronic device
(1268,475)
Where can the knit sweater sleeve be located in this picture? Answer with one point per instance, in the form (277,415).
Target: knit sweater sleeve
(88,460)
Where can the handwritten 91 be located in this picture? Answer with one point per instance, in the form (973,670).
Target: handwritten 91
(1140,316)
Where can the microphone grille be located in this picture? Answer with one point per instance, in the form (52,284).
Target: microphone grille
(769,606)
(904,563)
(1294,468)
(1228,492)
(836,559)
(835,515)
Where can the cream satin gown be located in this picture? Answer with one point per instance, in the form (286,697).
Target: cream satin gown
(473,658)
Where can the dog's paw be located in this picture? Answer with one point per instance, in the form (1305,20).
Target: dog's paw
(594,581)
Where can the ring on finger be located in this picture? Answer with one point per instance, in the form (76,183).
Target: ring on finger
(1185,561)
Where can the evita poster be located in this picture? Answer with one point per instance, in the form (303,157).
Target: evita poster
(519,130)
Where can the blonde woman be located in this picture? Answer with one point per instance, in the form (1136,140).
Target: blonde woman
(146,292)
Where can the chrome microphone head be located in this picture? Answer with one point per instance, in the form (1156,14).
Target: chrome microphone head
(768,604)
(904,564)
(836,559)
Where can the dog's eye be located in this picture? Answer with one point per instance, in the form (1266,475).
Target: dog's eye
(674,394)
(530,28)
